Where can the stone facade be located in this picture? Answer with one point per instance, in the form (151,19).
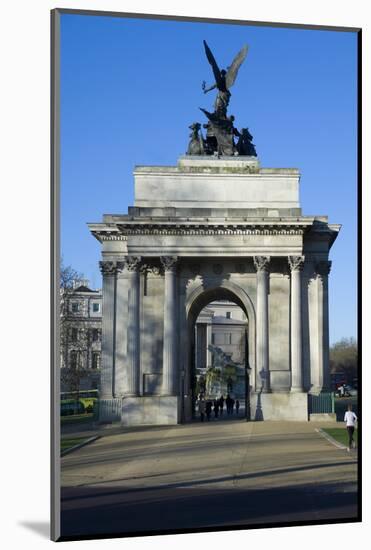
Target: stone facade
(212,229)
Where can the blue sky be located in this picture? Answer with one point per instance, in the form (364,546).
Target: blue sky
(131,87)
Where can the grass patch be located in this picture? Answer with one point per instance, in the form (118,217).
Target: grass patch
(67,443)
(341,435)
(76,418)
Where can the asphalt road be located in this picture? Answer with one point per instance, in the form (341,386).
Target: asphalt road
(205,476)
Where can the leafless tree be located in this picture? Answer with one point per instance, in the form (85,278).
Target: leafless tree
(75,336)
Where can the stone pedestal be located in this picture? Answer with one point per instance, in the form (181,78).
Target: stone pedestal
(157,409)
(279,406)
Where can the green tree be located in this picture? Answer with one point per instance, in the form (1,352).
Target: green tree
(212,376)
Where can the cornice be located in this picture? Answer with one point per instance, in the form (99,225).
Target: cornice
(199,230)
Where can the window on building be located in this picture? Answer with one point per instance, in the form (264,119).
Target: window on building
(95,364)
(228,338)
(73,359)
(74,334)
(75,307)
(213,338)
(228,315)
(95,334)
(96,307)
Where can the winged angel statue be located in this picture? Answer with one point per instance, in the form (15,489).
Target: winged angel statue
(220,130)
(224,79)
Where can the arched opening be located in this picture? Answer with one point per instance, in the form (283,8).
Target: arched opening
(221,349)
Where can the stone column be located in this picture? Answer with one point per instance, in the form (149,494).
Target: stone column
(121,329)
(296,265)
(132,264)
(262,329)
(209,328)
(108,270)
(323,270)
(169,372)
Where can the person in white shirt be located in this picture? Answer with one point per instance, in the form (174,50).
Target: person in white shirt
(351,419)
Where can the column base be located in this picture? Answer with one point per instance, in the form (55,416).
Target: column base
(296,390)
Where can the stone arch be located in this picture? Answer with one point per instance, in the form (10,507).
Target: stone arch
(225,290)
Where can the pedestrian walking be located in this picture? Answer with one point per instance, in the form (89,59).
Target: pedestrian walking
(216,408)
(232,405)
(228,404)
(201,409)
(208,409)
(221,405)
(351,419)
(237,406)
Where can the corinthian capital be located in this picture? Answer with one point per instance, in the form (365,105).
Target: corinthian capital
(261,263)
(132,263)
(107,268)
(169,262)
(296,263)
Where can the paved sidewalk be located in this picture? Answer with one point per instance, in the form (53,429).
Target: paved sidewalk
(204,475)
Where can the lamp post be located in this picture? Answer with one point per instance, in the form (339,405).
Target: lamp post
(182,397)
(247,380)
(247,393)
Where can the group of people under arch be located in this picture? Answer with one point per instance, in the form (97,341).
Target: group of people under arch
(214,408)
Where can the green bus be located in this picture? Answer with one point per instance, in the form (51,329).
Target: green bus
(78,402)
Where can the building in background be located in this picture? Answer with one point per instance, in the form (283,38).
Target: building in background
(220,341)
(81,337)
(221,324)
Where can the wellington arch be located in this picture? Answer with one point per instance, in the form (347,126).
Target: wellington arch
(223,228)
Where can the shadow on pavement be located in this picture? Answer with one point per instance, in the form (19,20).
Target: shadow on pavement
(173,508)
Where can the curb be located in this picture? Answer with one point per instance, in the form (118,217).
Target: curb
(79,445)
(330,439)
